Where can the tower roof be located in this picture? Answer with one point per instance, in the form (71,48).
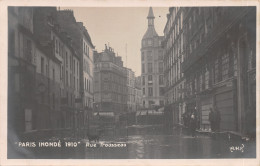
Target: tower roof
(150,14)
(150,33)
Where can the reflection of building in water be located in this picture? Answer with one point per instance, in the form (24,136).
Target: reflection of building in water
(110,93)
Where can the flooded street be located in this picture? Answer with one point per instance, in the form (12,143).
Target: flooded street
(144,142)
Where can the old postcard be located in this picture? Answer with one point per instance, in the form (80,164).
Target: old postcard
(175,82)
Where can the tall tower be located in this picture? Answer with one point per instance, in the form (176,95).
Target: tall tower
(152,66)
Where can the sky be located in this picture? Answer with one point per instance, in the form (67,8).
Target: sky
(120,27)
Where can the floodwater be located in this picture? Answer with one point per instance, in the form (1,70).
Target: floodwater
(151,142)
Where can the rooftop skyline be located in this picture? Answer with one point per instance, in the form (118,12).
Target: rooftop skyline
(120,28)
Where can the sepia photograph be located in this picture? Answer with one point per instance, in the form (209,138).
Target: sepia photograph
(148,82)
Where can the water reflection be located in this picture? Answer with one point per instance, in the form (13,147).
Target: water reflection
(152,142)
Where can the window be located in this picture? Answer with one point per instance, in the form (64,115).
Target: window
(11,43)
(149,42)
(161,80)
(47,70)
(28,50)
(216,71)
(150,78)
(150,91)
(143,91)
(161,103)
(74,65)
(150,67)
(143,81)
(161,91)
(85,84)
(84,47)
(225,66)
(56,45)
(74,82)
(67,81)
(61,69)
(66,59)
(190,23)
(53,74)
(151,102)
(143,68)
(206,79)
(53,101)
(78,68)
(42,65)
(71,62)
(160,55)
(150,22)
(142,56)
(160,67)
(88,86)
(149,53)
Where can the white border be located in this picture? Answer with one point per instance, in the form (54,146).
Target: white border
(110,3)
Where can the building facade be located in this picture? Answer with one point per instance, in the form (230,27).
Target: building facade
(66,75)
(138,93)
(152,66)
(130,83)
(219,64)
(21,73)
(173,59)
(51,71)
(110,84)
(83,47)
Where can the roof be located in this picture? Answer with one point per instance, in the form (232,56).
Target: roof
(150,33)
(150,14)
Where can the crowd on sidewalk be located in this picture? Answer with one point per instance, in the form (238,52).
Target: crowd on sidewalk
(191,121)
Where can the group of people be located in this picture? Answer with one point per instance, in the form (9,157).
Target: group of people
(191,120)
(214,119)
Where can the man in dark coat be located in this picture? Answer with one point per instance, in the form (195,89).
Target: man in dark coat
(217,119)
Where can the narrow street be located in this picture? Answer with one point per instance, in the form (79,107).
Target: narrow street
(154,143)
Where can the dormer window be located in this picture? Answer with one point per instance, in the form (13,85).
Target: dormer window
(149,42)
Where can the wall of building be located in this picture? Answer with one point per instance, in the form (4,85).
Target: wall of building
(213,64)
(110,78)
(152,66)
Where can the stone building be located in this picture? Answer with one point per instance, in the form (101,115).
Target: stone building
(130,83)
(110,80)
(173,58)
(152,66)
(21,73)
(220,64)
(83,47)
(66,75)
(138,93)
